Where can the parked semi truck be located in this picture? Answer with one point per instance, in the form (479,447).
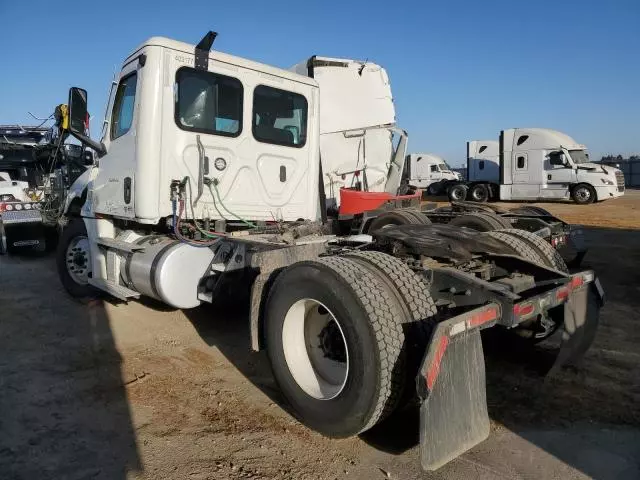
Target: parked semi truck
(209,177)
(429,172)
(535,164)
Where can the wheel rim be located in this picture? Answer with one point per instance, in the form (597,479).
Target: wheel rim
(477,195)
(456,194)
(583,194)
(315,349)
(77,260)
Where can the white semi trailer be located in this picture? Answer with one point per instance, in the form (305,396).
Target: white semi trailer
(209,167)
(535,164)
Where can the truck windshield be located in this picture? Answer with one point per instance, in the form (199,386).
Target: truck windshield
(579,156)
(443,167)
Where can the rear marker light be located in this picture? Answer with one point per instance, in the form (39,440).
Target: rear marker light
(18,207)
(434,369)
(27,206)
(483,317)
(523,310)
(8,208)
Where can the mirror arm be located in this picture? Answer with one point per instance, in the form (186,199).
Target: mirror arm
(99,147)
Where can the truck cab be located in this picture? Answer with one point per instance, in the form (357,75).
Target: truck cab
(178,112)
(540,163)
(429,171)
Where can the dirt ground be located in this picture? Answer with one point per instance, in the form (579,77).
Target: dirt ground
(112,391)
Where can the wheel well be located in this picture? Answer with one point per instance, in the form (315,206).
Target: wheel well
(75,207)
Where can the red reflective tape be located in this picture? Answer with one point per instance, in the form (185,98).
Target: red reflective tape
(483,317)
(562,294)
(577,282)
(434,369)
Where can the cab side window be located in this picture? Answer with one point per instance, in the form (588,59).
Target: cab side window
(434,168)
(123,106)
(279,117)
(208,102)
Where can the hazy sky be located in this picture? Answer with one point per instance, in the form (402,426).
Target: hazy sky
(459,70)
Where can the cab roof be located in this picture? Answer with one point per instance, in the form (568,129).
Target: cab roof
(217,56)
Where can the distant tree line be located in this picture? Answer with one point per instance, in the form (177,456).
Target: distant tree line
(619,158)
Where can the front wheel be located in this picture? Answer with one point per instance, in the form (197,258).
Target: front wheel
(583,194)
(73,260)
(335,345)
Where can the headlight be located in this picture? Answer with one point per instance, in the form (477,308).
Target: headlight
(18,207)
(606,181)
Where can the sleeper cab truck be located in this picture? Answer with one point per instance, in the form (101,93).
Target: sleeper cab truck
(535,164)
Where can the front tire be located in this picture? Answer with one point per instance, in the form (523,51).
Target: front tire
(335,345)
(73,260)
(583,194)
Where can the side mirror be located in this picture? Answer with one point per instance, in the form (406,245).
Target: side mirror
(88,158)
(78,117)
(79,120)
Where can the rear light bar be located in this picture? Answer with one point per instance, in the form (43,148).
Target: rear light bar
(559,240)
(18,206)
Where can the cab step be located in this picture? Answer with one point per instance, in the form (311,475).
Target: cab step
(119,245)
(118,291)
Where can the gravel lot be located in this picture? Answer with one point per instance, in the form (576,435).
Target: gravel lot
(136,391)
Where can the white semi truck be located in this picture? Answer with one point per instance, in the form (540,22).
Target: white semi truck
(429,172)
(535,164)
(209,167)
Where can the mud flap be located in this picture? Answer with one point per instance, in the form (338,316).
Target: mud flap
(581,314)
(453,414)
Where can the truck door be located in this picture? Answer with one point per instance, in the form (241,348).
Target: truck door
(525,183)
(113,186)
(559,175)
(435,175)
(419,171)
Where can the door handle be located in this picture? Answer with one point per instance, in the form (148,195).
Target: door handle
(549,177)
(201,169)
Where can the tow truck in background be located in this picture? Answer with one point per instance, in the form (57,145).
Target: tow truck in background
(37,167)
(210,178)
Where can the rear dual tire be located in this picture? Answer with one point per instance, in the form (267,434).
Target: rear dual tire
(334,332)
